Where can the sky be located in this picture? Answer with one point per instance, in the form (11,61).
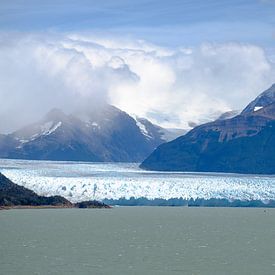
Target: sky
(173,62)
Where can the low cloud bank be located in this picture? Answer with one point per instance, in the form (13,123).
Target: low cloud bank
(171,87)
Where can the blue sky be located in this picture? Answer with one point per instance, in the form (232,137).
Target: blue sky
(169,23)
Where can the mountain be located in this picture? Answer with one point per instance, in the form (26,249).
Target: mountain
(100,134)
(12,194)
(154,131)
(229,114)
(242,144)
(264,99)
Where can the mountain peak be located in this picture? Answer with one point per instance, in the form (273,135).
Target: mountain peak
(242,144)
(55,114)
(97,133)
(265,98)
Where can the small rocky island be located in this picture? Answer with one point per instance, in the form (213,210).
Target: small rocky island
(15,196)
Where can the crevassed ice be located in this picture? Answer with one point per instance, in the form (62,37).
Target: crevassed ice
(115,181)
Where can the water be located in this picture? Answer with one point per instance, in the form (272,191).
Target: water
(77,181)
(138,240)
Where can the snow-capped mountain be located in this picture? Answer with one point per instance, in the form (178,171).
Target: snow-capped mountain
(152,130)
(242,144)
(101,134)
(264,99)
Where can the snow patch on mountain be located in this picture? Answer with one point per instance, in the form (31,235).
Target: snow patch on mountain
(50,127)
(150,130)
(45,129)
(264,99)
(24,140)
(257,108)
(142,129)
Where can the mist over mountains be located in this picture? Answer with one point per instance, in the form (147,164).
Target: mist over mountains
(171,87)
(241,142)
(100,134)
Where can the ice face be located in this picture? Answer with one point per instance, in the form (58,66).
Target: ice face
(76,181)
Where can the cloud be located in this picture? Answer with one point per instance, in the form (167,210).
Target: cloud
(169,86)
(193,84)
(38,73)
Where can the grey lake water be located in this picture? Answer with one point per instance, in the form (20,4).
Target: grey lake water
(138,240)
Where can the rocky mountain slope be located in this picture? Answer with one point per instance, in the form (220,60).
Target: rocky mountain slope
(264,99)
(12,194)
(99,134)
(242,144)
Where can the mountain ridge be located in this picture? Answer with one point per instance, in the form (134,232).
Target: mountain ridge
(100,134)
(242,144)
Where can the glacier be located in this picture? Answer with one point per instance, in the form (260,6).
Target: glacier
(79,181)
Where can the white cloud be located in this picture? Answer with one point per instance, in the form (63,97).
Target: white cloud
(168,86)
(193,84)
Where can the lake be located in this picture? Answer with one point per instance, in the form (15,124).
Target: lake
(138,240)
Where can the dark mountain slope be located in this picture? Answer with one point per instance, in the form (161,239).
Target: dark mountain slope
(243,144)
(99,134)
(12,194)
(264,99)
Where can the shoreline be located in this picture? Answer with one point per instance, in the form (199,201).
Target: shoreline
(24,207)
(48,207)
